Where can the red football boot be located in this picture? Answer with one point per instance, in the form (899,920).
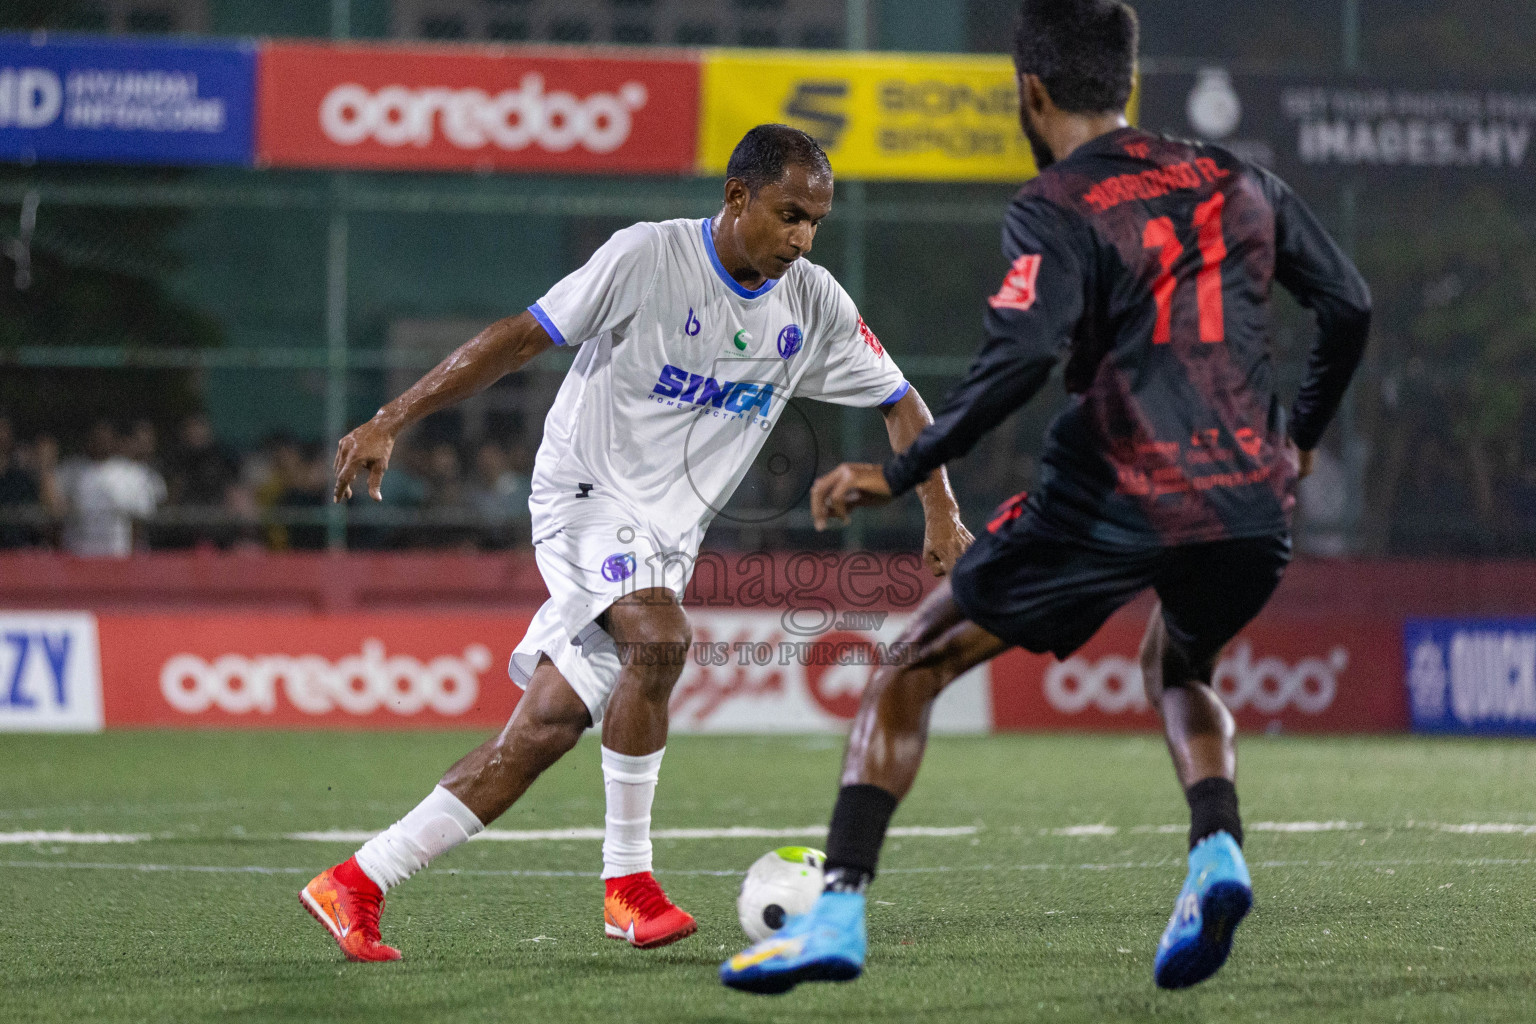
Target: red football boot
(637,911)
(349,903)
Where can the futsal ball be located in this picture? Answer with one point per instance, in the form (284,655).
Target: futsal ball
(780,885)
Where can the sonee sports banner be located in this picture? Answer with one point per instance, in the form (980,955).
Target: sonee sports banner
(879,116)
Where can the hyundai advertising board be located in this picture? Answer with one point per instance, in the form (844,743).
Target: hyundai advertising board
(1471,675)
(121,101)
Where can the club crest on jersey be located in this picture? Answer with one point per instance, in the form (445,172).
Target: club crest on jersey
(790,340)
(868,337)
(618,567)
(1018,291)
(733,399)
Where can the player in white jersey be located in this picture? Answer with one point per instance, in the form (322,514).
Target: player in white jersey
(691,337)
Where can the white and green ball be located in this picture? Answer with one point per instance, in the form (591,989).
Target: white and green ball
(778,886)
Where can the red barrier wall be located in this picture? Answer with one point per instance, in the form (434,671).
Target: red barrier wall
(320,582)
(420,640)
(1282,673)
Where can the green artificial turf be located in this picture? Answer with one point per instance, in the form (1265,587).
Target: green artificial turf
(1394,918)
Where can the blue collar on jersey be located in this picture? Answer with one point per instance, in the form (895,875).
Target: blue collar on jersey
(725,275)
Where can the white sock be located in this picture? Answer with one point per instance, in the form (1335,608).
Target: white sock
(433,827)
(629,783)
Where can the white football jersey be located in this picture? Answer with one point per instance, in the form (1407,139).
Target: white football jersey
(683,372)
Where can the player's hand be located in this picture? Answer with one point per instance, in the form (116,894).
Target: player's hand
(849,486)
(945,539)
(1304,459)
(365,449)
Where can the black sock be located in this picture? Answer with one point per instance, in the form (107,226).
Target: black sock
(1213,808)
(859,821)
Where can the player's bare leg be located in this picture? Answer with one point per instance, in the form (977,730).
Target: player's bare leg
(1200,731)
(1201,734)
(652,631)
(884,752)
(348,899)
(653,637)
(890,732)
(546,723)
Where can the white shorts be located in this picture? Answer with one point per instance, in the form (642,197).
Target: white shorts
(591,552)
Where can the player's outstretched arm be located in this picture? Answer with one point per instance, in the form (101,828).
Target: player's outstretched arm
(505,346)
(1005,375)
(945,537)
(1312,267)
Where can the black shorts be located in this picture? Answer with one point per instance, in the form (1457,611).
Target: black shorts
(1045,592)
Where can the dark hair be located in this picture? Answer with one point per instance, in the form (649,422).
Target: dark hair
(1084,51)
(762,154)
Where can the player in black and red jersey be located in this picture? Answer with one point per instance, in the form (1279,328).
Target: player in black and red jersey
(1146,264)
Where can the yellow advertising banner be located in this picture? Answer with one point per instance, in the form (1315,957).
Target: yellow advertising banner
(909,117)
(879,116)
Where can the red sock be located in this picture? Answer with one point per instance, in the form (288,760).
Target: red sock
(349,874)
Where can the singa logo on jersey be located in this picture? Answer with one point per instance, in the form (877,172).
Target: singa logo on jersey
(733,399)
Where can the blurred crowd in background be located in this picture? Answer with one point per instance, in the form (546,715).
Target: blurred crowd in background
(128,488)
(125,487)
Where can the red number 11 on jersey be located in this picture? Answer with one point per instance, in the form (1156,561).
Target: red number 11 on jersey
(1159,235)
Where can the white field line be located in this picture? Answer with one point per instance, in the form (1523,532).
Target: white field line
(1489,828)
(1257,826)
(1165,864)
(1492,828)
(1098,830)
(1081,830)
(209,869)
(72,837)
(1304,826)
(559,834)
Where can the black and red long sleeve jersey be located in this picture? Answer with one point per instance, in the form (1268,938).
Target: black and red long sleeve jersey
(1147,263)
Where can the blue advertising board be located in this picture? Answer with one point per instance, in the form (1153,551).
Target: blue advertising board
(126,101)
(1471,675)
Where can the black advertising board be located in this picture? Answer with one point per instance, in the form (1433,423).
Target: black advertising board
(1315,127)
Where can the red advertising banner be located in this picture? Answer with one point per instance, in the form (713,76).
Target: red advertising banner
(475,108)
(749,672)
(406,671)
(1302,675)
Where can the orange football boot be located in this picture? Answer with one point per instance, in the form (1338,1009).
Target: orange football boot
(636,910)
(349,903)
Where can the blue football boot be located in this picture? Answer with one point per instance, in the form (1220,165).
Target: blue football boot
(826,944)
(1216,895)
